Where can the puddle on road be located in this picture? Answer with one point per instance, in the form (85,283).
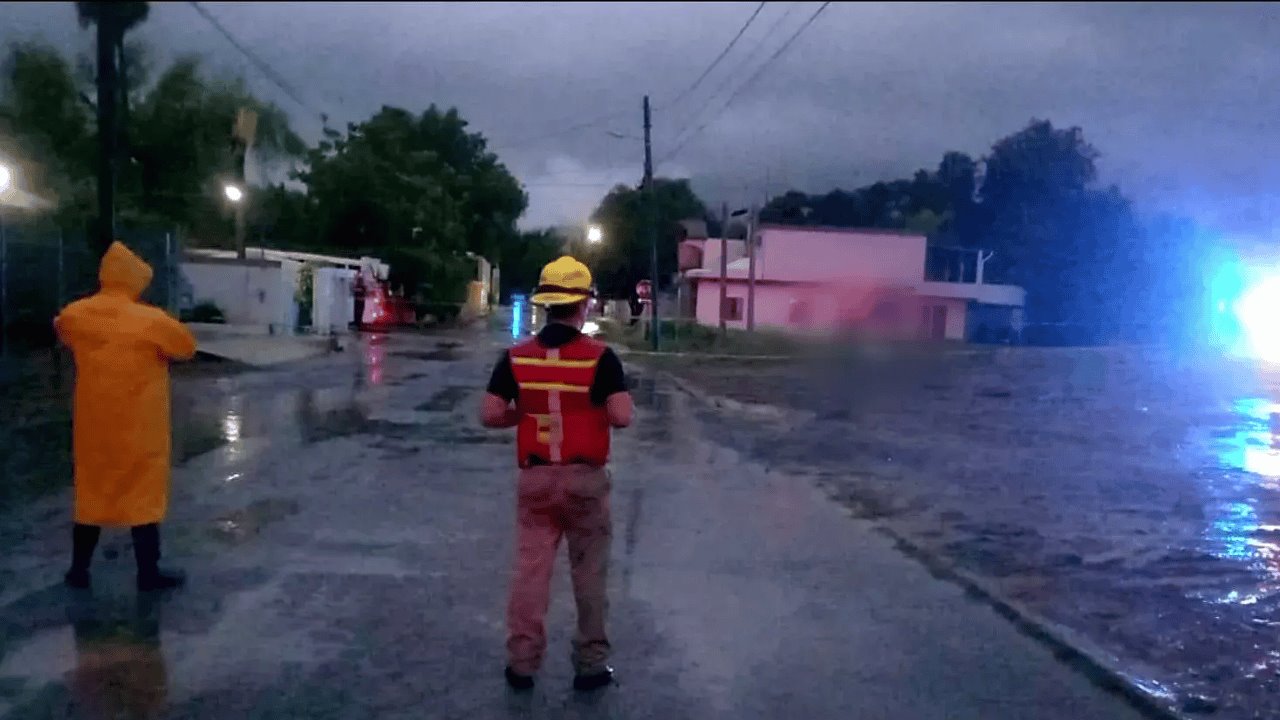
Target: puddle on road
(310,416)
(240,525)
(447,399)
(441,355)
(103,658)
(1243,507)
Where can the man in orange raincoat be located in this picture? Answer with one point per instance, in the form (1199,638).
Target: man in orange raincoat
(120,439)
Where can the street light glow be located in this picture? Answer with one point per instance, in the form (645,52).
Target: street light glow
(233,193)
(594,234)
(6,178)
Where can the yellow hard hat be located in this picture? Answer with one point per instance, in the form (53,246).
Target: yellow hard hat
(563,281)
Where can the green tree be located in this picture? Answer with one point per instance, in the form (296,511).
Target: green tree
(422,186)
(181,154)
(179,131)
(523,260)
(46,130)
(624,259)
(1069,243)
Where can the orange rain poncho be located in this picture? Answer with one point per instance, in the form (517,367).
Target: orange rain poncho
(121,437)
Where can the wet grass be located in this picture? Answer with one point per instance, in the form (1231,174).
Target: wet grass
(690,337)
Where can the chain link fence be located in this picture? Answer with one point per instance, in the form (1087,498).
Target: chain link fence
(43,268)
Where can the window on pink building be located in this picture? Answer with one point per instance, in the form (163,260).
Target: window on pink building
(732,309)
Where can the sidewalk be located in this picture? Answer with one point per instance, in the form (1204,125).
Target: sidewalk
(254,345)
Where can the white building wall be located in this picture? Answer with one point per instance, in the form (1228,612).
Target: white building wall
(247,294)
(334,305)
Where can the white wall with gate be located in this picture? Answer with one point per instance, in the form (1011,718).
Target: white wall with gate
(333,304)
(248,293)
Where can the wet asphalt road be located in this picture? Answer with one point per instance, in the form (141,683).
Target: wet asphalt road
(347,527)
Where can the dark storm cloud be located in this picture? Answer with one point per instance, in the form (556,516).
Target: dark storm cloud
(1173,95)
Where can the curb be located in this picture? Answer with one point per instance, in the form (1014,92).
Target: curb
(1076,653)
(1087,661)
(702,356)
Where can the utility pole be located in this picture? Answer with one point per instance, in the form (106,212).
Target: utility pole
(244,131)
(724,265)
(110,34)
(751,270)
(655,328)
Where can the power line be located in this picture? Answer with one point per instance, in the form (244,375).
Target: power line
(602,119)
(583,125)
(262,65)
(719,57)
(602,183)
(679,145)
(728,80)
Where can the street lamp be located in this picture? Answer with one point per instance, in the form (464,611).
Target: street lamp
(233,193)
(595,234)
(6,179)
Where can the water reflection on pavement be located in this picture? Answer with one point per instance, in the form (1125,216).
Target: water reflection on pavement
(1245,507)
(1130,497)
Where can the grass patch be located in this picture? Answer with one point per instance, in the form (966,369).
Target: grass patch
(686,336)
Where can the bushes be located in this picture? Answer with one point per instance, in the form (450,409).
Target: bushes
(204,312)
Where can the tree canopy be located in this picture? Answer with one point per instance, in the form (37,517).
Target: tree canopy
(623,258)
(1033,199)
(420,186)
(176,150)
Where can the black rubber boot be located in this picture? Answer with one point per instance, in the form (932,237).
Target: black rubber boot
(518,681)
(84,541)
(593,681)
(146,550)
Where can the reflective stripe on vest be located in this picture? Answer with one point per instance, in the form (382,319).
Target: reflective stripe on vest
(560,424)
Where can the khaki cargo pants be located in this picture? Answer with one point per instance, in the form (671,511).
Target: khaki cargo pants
(554,501)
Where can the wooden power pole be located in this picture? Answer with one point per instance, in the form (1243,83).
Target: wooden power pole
(656,328)
(751,269)
(243,132)
(724,266)
(110,35)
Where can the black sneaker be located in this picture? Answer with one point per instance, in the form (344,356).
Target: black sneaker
(161,580)
(518,681)
(593,681)
(77,579)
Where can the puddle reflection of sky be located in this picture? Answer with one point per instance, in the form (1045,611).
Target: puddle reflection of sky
(233,426)
(1236,530)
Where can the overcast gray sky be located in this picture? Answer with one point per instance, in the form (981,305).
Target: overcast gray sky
(1180,98)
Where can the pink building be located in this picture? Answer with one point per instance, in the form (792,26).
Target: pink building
(827,279)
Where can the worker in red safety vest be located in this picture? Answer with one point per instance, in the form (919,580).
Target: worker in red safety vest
(563,391)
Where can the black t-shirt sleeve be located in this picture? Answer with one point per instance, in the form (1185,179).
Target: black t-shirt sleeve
(610,378)
(503,381)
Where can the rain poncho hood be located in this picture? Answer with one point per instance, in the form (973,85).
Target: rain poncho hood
(123,272)
(121,436)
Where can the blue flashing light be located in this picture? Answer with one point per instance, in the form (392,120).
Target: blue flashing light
(517,316)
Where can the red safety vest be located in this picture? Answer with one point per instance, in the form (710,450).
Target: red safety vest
(558,423)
